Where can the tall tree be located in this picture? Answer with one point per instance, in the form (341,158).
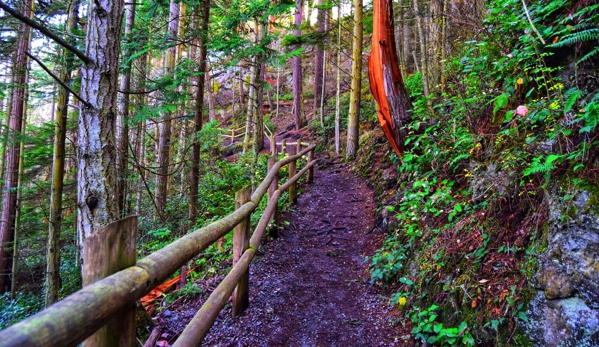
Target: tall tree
(60,132)
(204,17)
(13,148)
(123,113)
(423,50)
(300,119)
(96,176)
(319,57)
(338,94)
(259,77)
(15,243)
(353,122)
(166,123)
(386,81)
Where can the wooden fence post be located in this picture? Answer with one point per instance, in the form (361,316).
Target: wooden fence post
(292,170)
(107,251)
(274,229)
(241,241)
(284,147)
(310,177)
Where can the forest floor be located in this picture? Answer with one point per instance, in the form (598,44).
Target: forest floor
(310,286)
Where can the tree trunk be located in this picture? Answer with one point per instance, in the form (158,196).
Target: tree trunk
(353,122)
(60,132)
(211,101)
(143,65)
(15,124)
(15,245)
(199,114)
(241,92)
(97,204)
(123,116)
(278,89)
(298,114)
(443,45)
(338,98)
(386,82)
(166,124)
(318,58)
(258,81)
(406,43)
(5,131)
(141,174)
(258,111)
(421,39)
(249,120)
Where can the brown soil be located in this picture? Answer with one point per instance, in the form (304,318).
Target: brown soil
(310,287)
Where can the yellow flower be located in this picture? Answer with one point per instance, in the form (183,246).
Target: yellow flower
(402,301)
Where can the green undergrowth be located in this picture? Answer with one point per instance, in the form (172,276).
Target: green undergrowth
(467,214)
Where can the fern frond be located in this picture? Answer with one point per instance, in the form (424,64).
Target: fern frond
(586,10)
(589,55)
(571,96)
(546,10)
(581,36)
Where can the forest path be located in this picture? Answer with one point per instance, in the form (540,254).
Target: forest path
(310,287)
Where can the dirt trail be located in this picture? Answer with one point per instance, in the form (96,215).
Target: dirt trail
(310,286)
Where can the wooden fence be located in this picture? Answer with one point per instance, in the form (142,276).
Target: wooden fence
(97,305)
(233,134)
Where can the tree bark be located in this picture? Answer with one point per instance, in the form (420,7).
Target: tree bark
(211,100)
(422,41)
(443,44)
(123,115)
(386,82)
(249,119)
(198,114)
(338,96)
(97,204)
(259,95)
(298,114)
(258,112)
(15,124)
(166,123)
(353,122)
(318,58)
(60,132)
(15,244)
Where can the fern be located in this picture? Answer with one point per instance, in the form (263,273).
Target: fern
(545,11)
(589,55)
(581,36)
(571,96)
(586,10)
(585,30)
(536,167)
(591,116)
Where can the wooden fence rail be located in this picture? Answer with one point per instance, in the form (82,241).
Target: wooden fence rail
(72,320)
(235,133)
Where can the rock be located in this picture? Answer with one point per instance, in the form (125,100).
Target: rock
(566,310)
(487,181)
(562,322)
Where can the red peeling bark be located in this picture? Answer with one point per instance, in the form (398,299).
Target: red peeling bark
(386,82)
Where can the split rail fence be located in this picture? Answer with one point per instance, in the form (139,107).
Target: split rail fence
(102,313)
